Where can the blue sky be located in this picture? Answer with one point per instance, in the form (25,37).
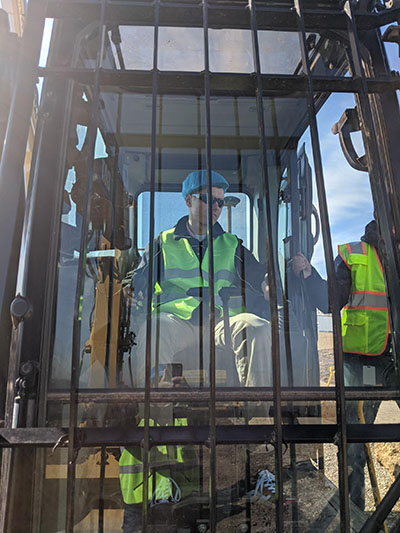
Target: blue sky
(347,190)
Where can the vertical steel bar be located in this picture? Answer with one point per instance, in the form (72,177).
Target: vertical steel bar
(276,369)
(103,461)
(76,334)
(212,434)
(294,242)
(289,367)
(327,242)
(150,281)
(247,476)
(294,249)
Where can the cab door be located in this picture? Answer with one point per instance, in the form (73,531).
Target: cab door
(297,219)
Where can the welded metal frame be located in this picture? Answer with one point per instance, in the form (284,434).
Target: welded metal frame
(301,17)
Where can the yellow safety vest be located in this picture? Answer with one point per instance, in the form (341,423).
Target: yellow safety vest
(183,271)
(172,468)
(365,319)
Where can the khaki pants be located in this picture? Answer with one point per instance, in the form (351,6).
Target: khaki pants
(180,341)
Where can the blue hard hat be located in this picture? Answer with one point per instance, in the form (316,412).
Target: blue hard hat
(197,180)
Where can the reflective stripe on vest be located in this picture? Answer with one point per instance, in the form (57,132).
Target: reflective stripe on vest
(177,463)
(365,319)
(183,271)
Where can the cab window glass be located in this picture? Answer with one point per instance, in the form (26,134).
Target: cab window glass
(170,207)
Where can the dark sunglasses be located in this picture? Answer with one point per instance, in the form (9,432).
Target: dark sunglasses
(204,198)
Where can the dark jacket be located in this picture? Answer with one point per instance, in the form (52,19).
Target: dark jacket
(317,291)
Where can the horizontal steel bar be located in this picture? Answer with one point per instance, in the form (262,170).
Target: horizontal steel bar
(232,434)
(238,142)
(32,436)
(220,83)
(221,15)
(242,394)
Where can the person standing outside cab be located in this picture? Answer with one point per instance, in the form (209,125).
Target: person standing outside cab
(180,331)
(366,337)
(361,290)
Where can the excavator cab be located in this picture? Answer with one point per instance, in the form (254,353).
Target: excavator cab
(294,104)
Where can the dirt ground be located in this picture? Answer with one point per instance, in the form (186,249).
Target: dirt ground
(386,455)
(325,352)
(317,494)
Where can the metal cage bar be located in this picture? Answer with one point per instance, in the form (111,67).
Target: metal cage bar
(240,434)
(297,394)
(73,409)
(220,82)
(211,285)
(272,284)
(150,281)
(339,383)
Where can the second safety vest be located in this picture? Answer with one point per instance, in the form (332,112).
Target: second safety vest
(365,318)
(173,470)
(183,271)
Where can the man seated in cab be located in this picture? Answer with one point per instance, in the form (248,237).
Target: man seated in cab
(180,336)
(180,328)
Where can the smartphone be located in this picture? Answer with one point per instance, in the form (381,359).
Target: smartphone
(173,370)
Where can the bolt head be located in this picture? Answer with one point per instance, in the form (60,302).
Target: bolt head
(20,308)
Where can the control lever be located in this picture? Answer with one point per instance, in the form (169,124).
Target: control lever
(347,124)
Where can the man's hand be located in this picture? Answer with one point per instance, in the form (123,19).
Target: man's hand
(178,382)
(299,264)
(132,299)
